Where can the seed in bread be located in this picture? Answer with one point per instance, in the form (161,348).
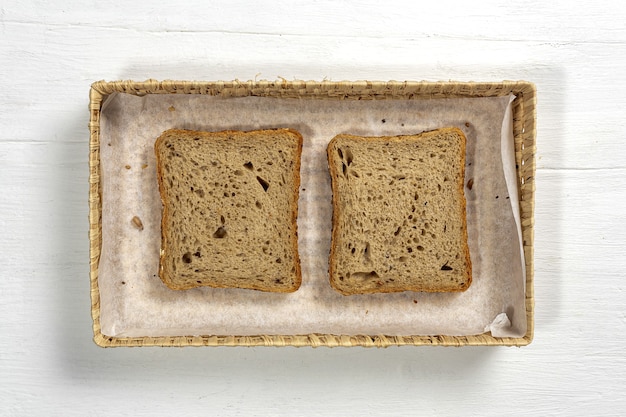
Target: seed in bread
(230,204)
(399,221)
(136,221)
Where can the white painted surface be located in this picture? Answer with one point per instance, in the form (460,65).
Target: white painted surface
(574,51)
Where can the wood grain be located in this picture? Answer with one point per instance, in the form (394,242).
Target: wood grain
(50,53)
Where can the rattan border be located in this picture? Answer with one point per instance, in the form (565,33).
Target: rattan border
(524,132)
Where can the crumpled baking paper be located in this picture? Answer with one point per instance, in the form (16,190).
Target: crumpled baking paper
(134,302)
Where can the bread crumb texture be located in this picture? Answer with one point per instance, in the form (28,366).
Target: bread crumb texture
(399,220)
(229,209)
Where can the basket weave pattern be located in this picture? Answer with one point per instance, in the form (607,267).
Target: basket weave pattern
(524,133)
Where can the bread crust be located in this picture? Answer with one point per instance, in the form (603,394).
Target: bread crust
(331,154)
(166,276)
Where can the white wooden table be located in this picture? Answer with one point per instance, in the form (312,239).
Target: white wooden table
(50,53)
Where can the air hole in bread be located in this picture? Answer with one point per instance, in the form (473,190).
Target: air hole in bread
(220,233)
(258,204)
(349,157)
(402,259)
(339,153)
(238,172)
(278,260)
(263,183)
(344,169)
(365,275)
(249,165)
(419,248)
(397,232)
(446,267)
(366,252)
(187,258)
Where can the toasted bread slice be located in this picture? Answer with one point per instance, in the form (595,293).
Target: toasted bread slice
(399,220)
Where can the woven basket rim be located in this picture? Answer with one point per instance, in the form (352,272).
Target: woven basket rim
(524,115)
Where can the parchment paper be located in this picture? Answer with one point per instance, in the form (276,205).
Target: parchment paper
(134,301)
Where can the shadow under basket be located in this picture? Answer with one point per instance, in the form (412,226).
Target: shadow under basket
(524,133)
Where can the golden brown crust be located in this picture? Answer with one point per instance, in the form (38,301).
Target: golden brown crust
(294,219)
(463,203)
(165,275)
(334,187)
(164,213)
(333,184)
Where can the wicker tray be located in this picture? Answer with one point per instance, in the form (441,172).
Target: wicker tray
(524,132)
